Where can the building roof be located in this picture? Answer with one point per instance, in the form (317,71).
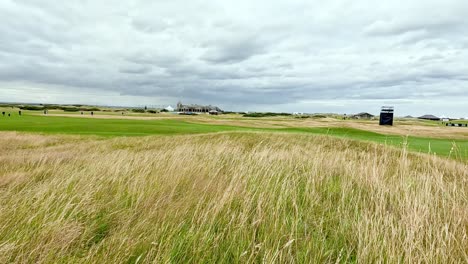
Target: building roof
(198,107)
(363,114)
(431,117)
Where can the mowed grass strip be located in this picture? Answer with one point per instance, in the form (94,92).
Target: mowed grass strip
(457,149)
(227,198)
(104,127)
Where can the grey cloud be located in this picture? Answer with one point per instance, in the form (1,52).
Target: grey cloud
(236,51)
(150,26)
(262,55)
(135,69)
(397,27)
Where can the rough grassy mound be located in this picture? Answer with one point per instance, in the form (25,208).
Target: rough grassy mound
(233,197)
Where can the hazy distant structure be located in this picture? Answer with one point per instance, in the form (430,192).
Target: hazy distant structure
(429,117)
(363,115)
(298,113)
(386,116)
(194,108)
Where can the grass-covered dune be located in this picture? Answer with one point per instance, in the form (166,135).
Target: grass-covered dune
(233,197)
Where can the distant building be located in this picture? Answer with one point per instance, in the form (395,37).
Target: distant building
(363,115)
(445,119)
(194,108)
(169,109)
(429,117)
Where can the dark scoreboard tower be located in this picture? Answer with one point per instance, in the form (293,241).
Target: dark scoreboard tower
(386,116)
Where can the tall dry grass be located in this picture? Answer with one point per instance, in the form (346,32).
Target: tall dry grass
(232,197)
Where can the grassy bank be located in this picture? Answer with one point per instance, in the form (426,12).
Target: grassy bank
(227,198)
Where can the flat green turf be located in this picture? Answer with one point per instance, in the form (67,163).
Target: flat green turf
(104,127)
(457,148)
(459,121)
(131,127)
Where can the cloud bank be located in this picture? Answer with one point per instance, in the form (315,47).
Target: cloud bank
(299,55)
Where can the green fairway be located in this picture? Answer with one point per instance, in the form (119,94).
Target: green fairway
(459,121)
(104,127)
(444,147)
(131,127)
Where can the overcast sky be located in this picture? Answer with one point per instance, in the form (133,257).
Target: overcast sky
(340,56)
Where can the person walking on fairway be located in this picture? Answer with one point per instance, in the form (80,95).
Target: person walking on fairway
(19,112)
(92,113)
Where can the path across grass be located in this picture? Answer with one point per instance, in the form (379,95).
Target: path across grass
(128,127)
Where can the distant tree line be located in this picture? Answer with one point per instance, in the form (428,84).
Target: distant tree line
(81,108)
(267,114)
(151,111)
(8,105)
(58,107)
